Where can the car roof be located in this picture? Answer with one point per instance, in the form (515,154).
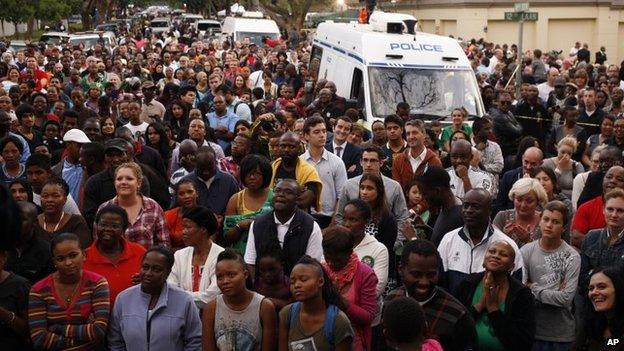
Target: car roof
(56,34)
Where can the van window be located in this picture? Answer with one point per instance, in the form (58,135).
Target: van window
(315,60)
(356,84)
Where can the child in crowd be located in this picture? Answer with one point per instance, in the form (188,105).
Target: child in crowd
(271,282)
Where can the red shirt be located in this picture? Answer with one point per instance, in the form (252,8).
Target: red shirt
(173,222)
(119,276)
(589,216)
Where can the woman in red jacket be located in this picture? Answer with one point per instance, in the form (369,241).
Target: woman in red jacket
(356,282)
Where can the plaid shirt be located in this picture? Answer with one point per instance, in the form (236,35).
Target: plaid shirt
(149,228)
(228,165)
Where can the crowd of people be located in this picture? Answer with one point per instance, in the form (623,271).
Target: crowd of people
(169,193)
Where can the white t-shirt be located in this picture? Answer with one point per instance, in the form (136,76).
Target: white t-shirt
(141,128)
(478,179)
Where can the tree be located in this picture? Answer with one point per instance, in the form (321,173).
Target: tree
(289,13)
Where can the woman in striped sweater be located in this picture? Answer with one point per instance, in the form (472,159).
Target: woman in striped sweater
(69,309)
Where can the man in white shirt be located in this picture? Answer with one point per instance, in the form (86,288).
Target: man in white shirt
(292,229)
(495,60)
(545,88)
(463,176)
(330,168)
(137,126)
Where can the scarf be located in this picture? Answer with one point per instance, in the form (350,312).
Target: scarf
(344,276)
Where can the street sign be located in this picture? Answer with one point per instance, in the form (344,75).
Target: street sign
(518,16)
(521,7)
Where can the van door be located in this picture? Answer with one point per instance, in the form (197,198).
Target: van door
(357,88)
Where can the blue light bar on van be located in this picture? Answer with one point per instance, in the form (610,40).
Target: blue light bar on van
(394,56)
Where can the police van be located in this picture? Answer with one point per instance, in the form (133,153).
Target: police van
(377,65)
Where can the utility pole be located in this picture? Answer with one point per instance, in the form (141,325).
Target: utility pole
(520,55)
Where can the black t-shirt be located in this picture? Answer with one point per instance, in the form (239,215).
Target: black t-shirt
(446,221)
(13,297)
(34,263)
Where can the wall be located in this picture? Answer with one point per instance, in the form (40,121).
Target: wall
(560,23)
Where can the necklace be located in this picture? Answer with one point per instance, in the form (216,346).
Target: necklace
(68,299)
(45,223)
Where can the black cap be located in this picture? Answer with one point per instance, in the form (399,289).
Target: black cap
(116,144)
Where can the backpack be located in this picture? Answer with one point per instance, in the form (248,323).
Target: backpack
(328,326)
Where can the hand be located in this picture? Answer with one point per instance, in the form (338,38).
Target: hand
(481,146)
(244,225)
(491,293)
(461,171)
(522,234)
(408,230)
(562,285)
(352,168)
(221,129)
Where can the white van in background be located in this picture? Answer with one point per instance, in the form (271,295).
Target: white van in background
(375,66)
(208,28)
(250,25)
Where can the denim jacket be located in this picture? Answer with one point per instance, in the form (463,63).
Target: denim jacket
(596,252)
(173,325)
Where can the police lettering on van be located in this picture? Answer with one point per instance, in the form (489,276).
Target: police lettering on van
(416,46)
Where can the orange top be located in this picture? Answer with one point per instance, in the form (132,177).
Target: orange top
(173,222)
(119,275)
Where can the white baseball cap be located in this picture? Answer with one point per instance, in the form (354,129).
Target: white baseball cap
(77,136)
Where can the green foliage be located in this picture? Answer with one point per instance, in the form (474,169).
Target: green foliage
(52,10)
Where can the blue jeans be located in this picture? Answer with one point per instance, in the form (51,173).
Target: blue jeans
(541,345)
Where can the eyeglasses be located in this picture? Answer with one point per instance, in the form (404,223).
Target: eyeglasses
(109,226)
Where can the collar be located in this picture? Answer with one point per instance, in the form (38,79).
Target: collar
(277,221)
(307,156)
(465,235)
(619,236)
(421,156)
(67,164)
(162,299)
(343,145)
(98,257)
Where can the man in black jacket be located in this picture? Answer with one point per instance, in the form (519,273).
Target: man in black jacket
(533,116)
(295,231)
(506,128)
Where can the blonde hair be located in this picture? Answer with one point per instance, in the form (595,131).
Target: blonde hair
(616,193)
(525,185)
(568,141)
(134,167)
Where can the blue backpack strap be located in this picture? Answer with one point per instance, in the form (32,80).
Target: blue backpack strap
(293,313)
(330,322)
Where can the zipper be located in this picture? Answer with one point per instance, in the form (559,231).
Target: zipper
(148,328)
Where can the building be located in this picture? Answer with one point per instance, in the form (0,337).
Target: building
(560,24)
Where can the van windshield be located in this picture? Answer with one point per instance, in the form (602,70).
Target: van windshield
(89,42)
(206,26)
(159,24)
(429,92)
(255,38)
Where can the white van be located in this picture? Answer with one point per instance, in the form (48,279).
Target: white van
(160,25)
(375,66)
(250,26)
(208,28)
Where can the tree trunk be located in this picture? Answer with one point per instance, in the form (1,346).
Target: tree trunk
(30,26)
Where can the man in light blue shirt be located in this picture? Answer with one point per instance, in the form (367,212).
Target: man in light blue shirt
(234,105)
(70,169)
(330,168)
(222,121)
